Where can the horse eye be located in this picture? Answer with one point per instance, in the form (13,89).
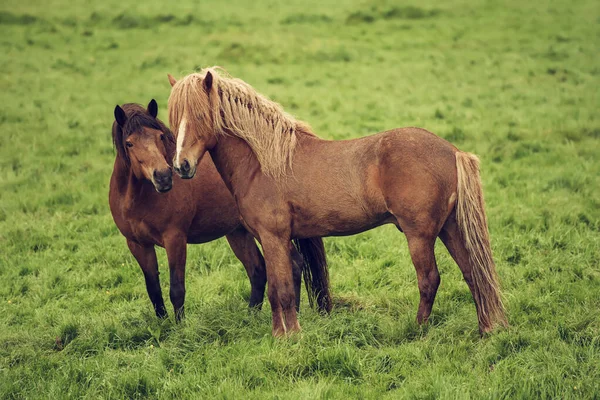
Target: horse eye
(129,144)
(162,137)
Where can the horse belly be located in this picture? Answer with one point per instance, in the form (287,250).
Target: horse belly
(342,221)
(206,230)
(204,237)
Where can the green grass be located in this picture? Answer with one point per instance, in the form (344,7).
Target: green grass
(515,82)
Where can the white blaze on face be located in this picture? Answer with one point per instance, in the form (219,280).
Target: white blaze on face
(180,136)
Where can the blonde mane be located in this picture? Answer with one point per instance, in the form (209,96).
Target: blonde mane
(236,108)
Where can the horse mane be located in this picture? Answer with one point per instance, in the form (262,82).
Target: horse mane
(137,119)
(237,109)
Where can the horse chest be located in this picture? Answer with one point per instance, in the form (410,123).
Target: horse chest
(141,227)
(138,231)
(143,232)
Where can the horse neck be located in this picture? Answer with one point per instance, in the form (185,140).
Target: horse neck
(121,173)
(235,162)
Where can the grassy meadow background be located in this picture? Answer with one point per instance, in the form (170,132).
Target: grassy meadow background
(516,82)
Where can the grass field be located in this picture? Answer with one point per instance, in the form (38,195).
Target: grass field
(515,82)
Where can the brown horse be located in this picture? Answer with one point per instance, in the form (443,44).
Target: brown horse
(288,183)
(149,210)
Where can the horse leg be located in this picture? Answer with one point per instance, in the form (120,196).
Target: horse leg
(423,258)
(244,247)
(297,263)
(452,239)
(281,287)
(146,258)
(175,245)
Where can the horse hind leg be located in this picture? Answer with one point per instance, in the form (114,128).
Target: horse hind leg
(245,249)
(452,239)
(421,225)
(421,249)
(450,236)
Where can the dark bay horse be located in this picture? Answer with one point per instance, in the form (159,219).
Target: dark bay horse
(151,210)
(288,183)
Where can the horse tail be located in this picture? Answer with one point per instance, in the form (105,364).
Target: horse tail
(472,223)
(315,272)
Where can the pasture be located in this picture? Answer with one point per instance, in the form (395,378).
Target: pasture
(514,82)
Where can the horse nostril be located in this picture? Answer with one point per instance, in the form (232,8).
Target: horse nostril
(163,176)
(185,166)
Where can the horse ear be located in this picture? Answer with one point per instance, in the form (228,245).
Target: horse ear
(208,81)
(153,108)
(120,116)
(172,80)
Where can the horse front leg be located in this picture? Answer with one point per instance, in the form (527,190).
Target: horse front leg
(281,291)
(146,258)
(175,245)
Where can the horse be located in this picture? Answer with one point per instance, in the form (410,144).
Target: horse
(151,207)
(288,183)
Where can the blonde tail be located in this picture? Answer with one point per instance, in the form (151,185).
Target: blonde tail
(472,222)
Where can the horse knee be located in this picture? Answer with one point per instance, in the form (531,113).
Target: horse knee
(287,300)
(434,279)
(284,296)
(177,295)
(272,296)
(428,285)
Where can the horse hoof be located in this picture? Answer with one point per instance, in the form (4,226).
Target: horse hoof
(278,333)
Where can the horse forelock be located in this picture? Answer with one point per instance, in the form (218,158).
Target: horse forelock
(188,101)
(236,108)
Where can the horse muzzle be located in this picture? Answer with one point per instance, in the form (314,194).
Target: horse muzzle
(162,180)
(185,170)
